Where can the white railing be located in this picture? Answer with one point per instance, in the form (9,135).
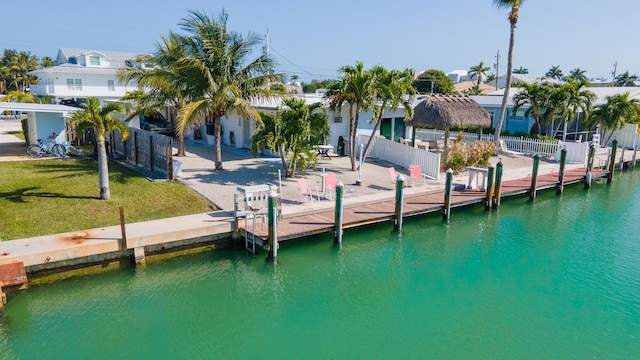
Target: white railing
(403,155)
(523,145)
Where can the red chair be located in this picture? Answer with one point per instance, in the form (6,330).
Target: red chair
(416,173)
(330,182)
(305,191)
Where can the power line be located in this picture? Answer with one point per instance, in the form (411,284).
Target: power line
(301,68)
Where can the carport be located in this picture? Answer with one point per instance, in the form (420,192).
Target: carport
(42,119)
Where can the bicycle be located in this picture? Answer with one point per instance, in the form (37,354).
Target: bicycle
(51,149)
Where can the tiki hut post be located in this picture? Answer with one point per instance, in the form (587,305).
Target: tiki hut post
(444,111)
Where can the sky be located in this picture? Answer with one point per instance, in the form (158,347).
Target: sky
(313,39)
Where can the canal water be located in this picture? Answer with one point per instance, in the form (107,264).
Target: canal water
(558,278)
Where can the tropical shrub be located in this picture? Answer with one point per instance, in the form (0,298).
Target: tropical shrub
(477,153)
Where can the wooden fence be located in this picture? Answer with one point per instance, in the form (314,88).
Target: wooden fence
(146,149)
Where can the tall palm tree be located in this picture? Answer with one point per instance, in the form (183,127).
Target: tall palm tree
(478,71)
(514,5)
(393,88)
(103,119)
(555,73)
(536,96)
(577,74)
(577,99)
(626,79)
(521,70)
(355,89)
(164,80)
(222,78)
(47,62)
(613,114)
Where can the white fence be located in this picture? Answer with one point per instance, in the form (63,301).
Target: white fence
(627,137)
(403,155)
(522,145)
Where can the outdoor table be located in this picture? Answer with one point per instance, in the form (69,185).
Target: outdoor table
(323,150)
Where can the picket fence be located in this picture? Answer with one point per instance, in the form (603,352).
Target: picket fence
(403,155)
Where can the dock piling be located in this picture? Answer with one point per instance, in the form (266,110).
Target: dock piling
(496,195)
(590,159)
(123,245)
(337,227)
(272,237)
(563,162)
(633,157)
(622,159)
(612,160)
(534,177)
(3,299)
(490,175)
(139,256)
(397,215)
(447,196)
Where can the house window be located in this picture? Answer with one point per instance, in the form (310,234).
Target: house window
(74,84)
(94,60)
(111,85)
(337,119)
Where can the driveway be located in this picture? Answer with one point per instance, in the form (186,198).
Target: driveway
(11,147)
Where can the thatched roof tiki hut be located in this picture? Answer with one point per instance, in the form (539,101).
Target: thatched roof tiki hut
(444,111)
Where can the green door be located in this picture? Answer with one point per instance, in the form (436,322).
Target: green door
(385,128)
(398,128)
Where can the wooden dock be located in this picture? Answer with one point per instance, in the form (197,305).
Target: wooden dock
(418,204)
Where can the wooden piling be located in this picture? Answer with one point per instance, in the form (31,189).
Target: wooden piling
(272,215)
(337,227)
(590,159)
(633,157)
(447,196)
(123,245)
(397,217)
(496,195)
(3,299)
(534,177)
(490,175)
(622,159)
(563,162)
(612,160)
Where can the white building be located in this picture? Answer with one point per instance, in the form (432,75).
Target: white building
(80,73)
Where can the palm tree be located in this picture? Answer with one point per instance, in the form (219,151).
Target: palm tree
(626,79)
(289,133)
(164,80)
(577,74)
(102,118)
(355,89)
(577,99)
(46,62)
(393,88)
(536,96)
(514,5)
(221,78)
(555,73)
(617,111)
(478,71)
(521,70)
(18,96)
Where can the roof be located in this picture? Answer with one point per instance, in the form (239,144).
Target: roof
(76,69)
(32,107)
(443,111)
(116,56)
(467,85)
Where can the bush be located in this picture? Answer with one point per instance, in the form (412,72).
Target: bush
(477,153)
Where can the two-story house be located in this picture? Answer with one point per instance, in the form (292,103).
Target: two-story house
(80,73)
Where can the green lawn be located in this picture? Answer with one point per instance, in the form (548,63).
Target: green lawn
(53,196)
(19,134)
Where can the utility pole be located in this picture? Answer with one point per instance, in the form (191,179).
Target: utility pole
(615,68)
(496,66)
(267,54)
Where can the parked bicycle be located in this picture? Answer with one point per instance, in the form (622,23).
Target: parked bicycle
(50,149)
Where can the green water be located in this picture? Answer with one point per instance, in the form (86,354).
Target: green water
(556,279)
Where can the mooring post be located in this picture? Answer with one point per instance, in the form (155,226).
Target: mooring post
(447,196)
(272,237)
(123,246)
(622,159)
(590,158)
(3,299)
(337,225)
(490,174)
(397,217)
(612,162)
(534,177)
(563,162)
(496,195)
(633,157)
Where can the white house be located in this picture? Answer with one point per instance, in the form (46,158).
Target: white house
(80,73)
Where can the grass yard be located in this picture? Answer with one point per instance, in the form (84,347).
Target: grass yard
(52,196)
(18,134)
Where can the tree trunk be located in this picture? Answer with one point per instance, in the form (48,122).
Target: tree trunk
(375,128)
(505,97)
(181,151)
(352,144)
(103,169)
(354,138)
(217,123)
(285,167)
